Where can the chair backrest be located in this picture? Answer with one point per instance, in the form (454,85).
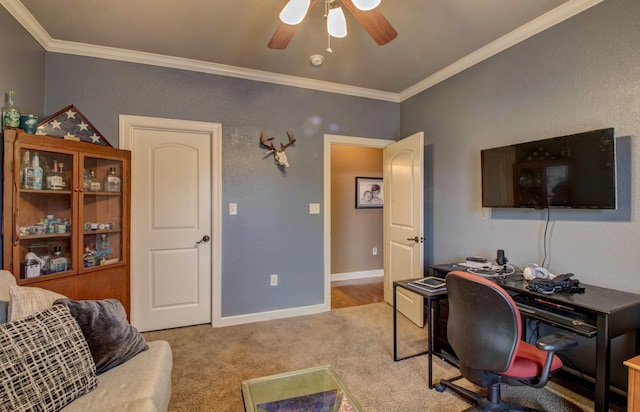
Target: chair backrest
(484,326)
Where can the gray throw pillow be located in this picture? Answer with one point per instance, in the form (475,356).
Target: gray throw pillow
(112,340)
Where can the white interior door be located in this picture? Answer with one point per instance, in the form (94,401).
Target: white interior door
(403,221)
(173,237)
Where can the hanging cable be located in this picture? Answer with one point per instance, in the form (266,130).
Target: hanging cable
(544,242)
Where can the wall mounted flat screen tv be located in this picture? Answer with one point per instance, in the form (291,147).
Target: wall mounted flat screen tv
(577,171)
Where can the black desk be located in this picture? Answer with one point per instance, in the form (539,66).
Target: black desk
(614,313)
(430,297)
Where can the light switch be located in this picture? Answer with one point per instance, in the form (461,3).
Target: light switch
(233,208)
(314,208)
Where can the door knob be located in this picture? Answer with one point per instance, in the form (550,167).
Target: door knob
(416,239)
(204,239)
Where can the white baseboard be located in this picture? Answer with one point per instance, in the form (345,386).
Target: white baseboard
(274,314)
(357,275)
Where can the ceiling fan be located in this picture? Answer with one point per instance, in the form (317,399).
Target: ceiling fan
(364,11)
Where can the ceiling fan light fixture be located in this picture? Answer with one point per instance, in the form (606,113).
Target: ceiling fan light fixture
(366,5)
(294,12)
(336,22)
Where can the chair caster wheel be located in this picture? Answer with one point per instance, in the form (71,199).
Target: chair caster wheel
(440,387)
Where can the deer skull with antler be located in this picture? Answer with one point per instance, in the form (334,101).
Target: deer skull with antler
(279,155)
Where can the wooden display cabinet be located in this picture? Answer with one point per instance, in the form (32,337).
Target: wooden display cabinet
(64,229)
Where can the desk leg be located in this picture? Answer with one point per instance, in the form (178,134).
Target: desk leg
(395,325)
(603,363)
(430,331)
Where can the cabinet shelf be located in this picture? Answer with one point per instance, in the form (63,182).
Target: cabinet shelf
(46,244)
(86,193)
(45,236)
(99,231)
(46,191)
(48,277)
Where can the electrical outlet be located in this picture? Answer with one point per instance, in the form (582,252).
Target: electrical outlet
(375,251)
(314,208)
(274,280)
(233,208)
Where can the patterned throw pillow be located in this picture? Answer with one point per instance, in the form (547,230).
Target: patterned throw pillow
(112,340)
(45,362)
(25,301)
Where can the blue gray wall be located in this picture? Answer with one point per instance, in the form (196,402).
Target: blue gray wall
(273,231)
(579,75)
(21,66)
(21,70)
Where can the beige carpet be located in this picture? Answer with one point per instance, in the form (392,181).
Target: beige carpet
(210,363)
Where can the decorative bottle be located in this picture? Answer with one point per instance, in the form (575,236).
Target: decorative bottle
(55,177)
(94,183)
(58,263)
(30,266)
(37,171)
(112,182)
(11,115)
(51,178)
(86,180)
(26,172)
(63,180)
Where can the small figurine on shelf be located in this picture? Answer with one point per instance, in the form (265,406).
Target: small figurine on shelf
(89,257)
(102,248)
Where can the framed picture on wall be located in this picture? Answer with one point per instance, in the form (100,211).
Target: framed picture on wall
(369,192)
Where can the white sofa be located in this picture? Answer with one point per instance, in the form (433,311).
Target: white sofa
(143,383)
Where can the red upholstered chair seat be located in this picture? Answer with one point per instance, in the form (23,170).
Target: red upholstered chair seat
(529,362)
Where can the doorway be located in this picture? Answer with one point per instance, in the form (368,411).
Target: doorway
(345,291)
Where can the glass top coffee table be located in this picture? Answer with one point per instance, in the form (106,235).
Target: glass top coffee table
(310,390)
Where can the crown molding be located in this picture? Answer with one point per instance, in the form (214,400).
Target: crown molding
(89,50)
(547,20)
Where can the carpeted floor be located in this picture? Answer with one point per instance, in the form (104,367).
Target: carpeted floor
(210,363)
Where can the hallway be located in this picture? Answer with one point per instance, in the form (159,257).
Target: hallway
(357,292)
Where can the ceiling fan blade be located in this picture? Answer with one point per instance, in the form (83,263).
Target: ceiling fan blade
(284,33)
(373,22)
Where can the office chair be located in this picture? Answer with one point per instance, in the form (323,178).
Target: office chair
(484,330)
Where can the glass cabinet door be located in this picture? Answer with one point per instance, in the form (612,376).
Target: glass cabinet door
(44,213)
(101,210)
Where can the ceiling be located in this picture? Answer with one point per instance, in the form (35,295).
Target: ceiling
(436,38)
